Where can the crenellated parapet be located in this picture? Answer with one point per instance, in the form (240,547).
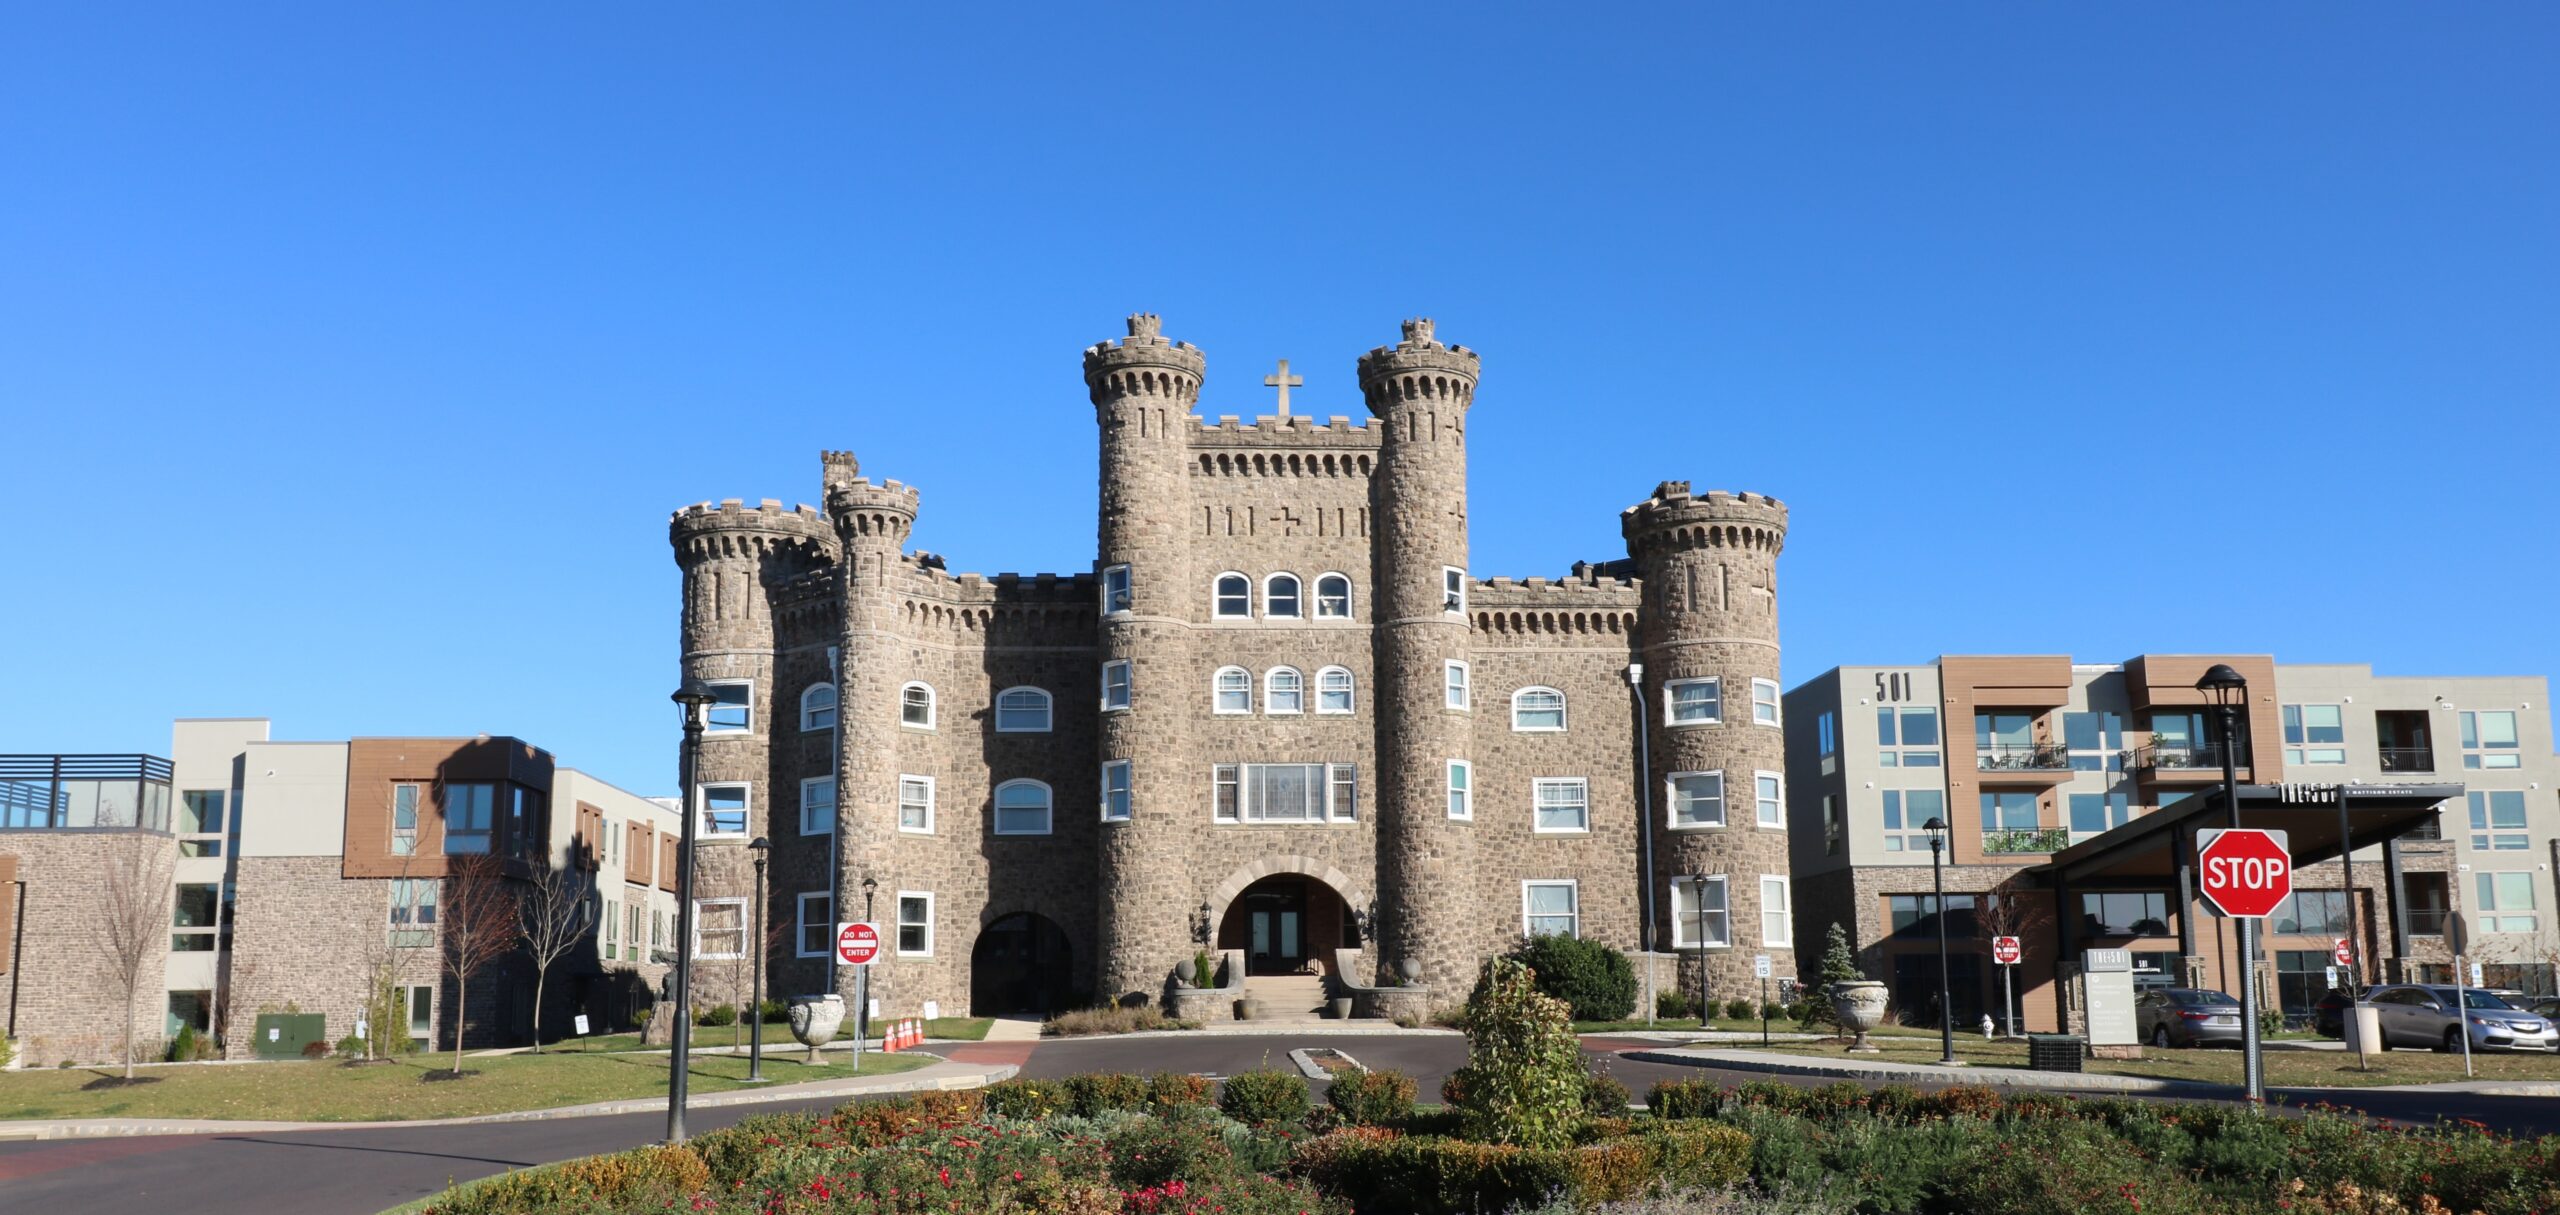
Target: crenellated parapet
(1144,364)
(998,611)
(733,530)
(883,514)
(1418,368)
(1673,518)
(1543,610)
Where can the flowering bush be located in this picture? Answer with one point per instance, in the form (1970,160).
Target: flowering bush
(1372,1098)
(1264,1097)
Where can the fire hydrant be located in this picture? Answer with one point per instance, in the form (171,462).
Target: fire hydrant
(1987,1028)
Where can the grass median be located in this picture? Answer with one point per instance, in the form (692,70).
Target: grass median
(2211,1065)
(404,1089)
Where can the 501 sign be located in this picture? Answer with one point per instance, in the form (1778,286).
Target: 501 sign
(1893,686)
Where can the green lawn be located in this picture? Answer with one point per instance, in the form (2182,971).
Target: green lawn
(963,1029)
(325,1091)
(1777,1025)
(2217,1065)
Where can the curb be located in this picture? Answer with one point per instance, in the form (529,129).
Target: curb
(1262,1029)
(1994,1077)
(974,1076)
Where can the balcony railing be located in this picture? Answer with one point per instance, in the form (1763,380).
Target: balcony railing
(2428,923)
(2022,757)
(2408,759)
(2175,756)
(2040,839)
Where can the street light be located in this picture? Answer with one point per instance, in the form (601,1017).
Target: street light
(762,848)
(690,701)
(862,975)
(1698,887)
(1937,829)
(2229,691)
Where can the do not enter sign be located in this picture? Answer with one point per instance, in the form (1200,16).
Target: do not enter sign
(857,944)
(2005,951)
(2244,872)
(2345,952)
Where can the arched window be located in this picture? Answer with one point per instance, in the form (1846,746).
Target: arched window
(1333,597)
(1022,711)
(1284,690)
(1233,597)
(1333,690)
(1022,808)
(915,706)
(1234,690)
(818,707)
(1535,709)
(1280,596)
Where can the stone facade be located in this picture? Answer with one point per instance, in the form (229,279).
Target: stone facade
(778,600)
(60,1000)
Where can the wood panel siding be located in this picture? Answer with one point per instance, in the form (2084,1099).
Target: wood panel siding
(376,766)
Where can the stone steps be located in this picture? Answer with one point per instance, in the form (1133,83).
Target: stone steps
(1287,998)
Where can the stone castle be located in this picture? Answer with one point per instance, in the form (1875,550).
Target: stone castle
(1277,718)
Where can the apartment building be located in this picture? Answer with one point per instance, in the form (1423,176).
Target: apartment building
(304,873)
(2070,816)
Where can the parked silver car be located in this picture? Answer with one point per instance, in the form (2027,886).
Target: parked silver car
(2414,1014)
(2186,1016)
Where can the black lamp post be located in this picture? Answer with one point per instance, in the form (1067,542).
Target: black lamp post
(2229,692)
(762,848)
(1937,829)
(1698,886)
(862,975)
(690,701)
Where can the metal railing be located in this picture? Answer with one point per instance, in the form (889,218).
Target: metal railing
(2022,757)
(2039,839)
(2175,756)
(2408,759)
(2428,923)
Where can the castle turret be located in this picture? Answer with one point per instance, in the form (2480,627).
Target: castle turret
(735,558)
(1419,391)
(1144,389)
(872,523)
(1709,564)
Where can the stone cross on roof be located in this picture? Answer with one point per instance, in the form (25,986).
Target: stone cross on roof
(1284,381)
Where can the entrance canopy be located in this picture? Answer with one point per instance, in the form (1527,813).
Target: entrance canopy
(2145,853)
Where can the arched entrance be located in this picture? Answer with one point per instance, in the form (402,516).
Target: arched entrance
(1021,964)
(1285,922)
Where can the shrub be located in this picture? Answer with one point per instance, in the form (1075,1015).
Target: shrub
(873,1123)
(1098,1092)
(640,1019)
(351,1046)
(1523,1079)
(1264,1096)
(1177,1146)
(718,1015)
(1372,1098)
(1896,1103)
(1110,1019)
(1839,965)
(1202,973)
(8,1052)
(1795,1011)
(1705,1156)
(773,1013)
(185,1048)
(642,1177)
(1029,1100)
(1604,1097)
(1594,980)
(1166,1090)
(1738,1010)
(1684,1099)
(315,1050)
(1674,1005)
(1773,1011)
(1415,1176)
(1965,1101)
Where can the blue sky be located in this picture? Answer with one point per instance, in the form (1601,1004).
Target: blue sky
(352,356)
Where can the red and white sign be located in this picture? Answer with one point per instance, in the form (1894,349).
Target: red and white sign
(2005,951)
(2345,952)
(857,944)
(2245,872)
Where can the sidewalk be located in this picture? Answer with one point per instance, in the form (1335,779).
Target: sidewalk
(933,1077)
(1914,1073)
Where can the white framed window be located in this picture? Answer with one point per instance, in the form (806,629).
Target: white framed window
(1342,802)
(422,1009)
(915,804)
(2315,734)
(817,805)
(733,707)
(1551,908)
(1115,685)
(1537,711)
(1022,808)
(1280,597)
(1232,690)
(1333,597)
(1560,804)
(1462,794)
(2489,740)
(2497,820)
(1231,597)
(413,912)
(915,923)
(1700,917)
(470,817)
(720,928)
(608,927)
(1777,920)
(818,707)
(1693,702)
(1769,799)
(1226,793)
(2506,902)
(1115,791)
(1696,799)
(915,706)
(1764,702)
(1022,711)
(1284,691)
(1333,690)
(815,924)
(1115,589)
(1453,589)
(725,810)
(1454,677)
(404,820)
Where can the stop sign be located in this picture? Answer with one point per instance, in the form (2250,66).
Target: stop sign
(857,944)
(2004,950)
(2245,873)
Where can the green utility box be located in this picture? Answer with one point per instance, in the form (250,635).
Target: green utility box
(285,1035)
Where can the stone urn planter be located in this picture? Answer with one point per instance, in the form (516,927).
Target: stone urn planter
(815,1019)
(1860,1006)
(1411,970)
(1248,1010)
(1342,1008)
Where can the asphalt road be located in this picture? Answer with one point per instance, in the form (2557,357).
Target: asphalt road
(356,1172)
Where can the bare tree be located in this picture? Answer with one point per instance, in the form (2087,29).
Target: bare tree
(552,919)
(132,928)
(2011,909)
(479,921)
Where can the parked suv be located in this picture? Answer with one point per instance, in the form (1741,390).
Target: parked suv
(2415,1014)
(2329,1014)
(2186,1016)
